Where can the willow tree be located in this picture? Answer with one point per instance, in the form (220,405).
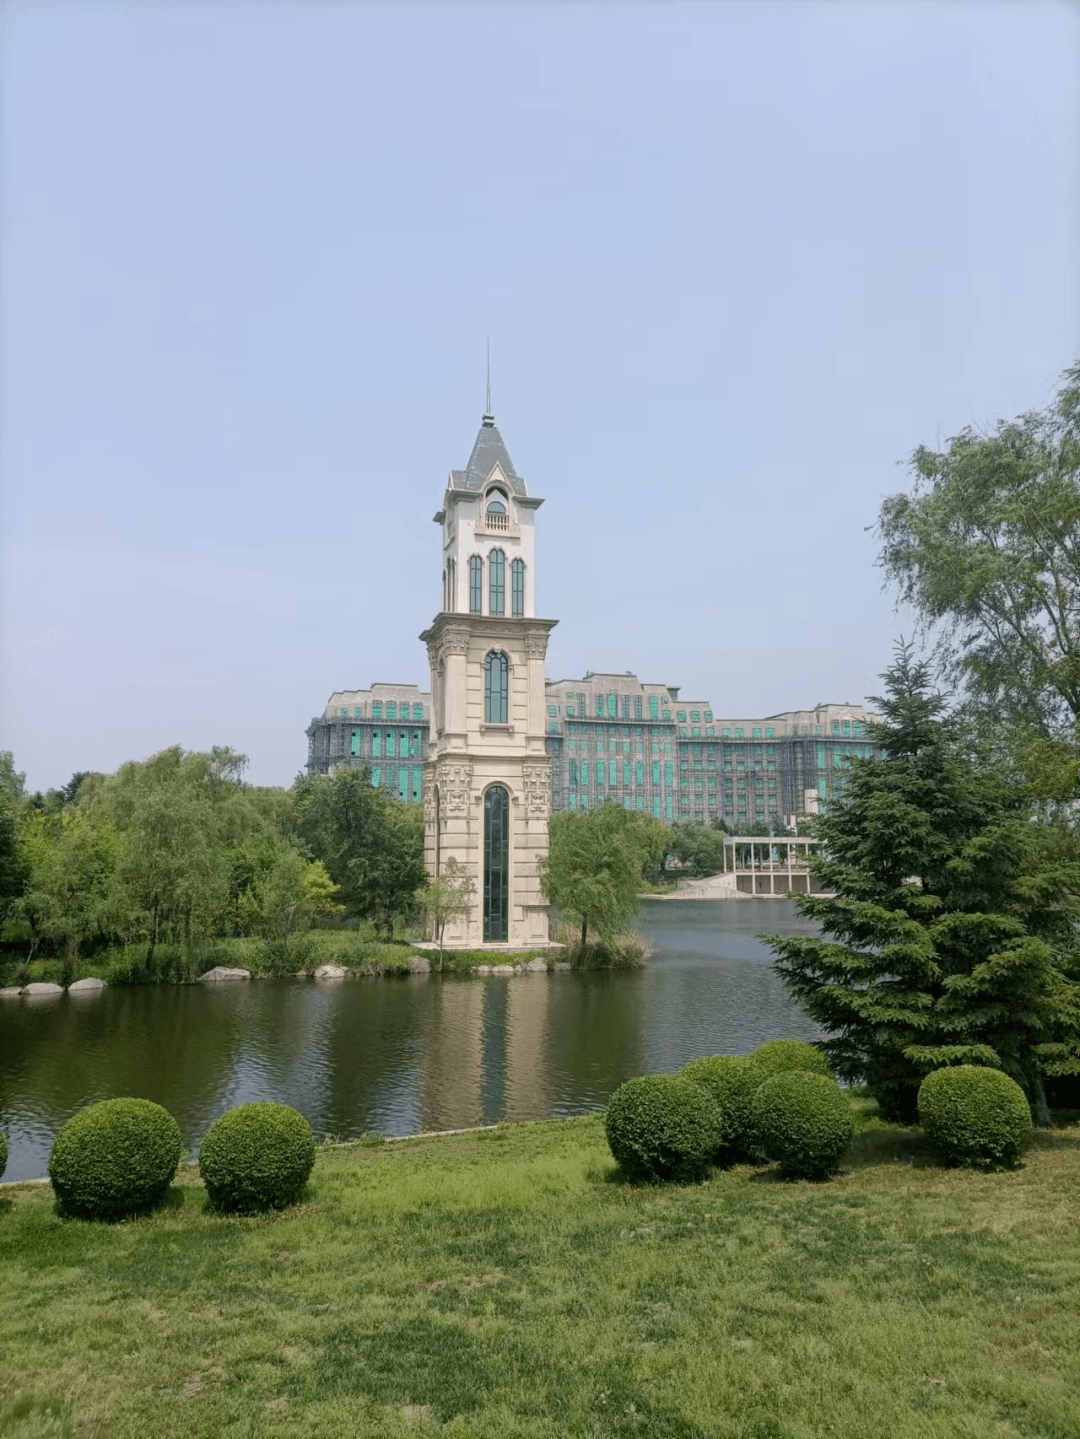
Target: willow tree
(986,550)
(951,933)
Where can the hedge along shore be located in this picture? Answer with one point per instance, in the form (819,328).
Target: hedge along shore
(505,1282)
(304,955)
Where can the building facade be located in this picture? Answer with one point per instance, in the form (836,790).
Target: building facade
(608,736)
(487,776)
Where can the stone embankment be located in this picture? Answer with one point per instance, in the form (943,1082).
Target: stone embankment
(40,989)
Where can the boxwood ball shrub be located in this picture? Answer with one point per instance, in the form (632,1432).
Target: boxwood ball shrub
(803,1122)
(259,1156)
(114,1159)
(975,1116)
(663,1127)
(731,1081)
(779,1056)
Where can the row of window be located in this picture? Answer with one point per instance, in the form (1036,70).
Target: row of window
(496,565)
(407,781)
(392,743)
(391,711)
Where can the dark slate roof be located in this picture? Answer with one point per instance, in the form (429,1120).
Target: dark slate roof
(488,451)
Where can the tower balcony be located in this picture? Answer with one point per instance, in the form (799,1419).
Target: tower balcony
(496,525)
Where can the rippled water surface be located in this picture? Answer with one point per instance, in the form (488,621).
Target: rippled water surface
(400,1055)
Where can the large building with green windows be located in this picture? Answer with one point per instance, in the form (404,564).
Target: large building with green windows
(611,737)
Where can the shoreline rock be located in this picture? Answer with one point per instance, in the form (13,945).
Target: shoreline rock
(40,989)
(87,986)
(222,972)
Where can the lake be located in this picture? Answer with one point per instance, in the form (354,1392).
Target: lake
(401,1055)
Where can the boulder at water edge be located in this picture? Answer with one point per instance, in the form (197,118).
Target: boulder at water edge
(419,965)
(222,972)
(331,971)
(40,988)
(537,966)
(10,992)
(87,986)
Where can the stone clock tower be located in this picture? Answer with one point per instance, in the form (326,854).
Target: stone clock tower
(487,781)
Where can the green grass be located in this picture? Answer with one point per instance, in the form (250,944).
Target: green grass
(506,1284)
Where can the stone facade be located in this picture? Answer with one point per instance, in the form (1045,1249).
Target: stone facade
(487,778)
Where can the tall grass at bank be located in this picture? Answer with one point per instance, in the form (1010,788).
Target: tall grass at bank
(507,1284)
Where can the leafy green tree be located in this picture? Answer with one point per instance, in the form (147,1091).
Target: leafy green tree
(592,870)
(952,936)
(448,897)
(73,892)
(986,549)
(372,846)
(13,867)
(699,847)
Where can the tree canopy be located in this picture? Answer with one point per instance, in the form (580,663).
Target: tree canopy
(593,868)
(952,936)
(986,549)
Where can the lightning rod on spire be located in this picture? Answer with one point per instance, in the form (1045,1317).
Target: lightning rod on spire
(487,411)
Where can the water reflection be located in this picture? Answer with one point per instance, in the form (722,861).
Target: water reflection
(398,1055)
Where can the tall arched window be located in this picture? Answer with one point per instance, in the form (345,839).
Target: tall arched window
(496,863)
(476,583)
(496,686)
(496,583)
(517,587)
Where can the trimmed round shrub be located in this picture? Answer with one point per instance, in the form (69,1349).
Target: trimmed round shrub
(975,1115)
(803,1122)
(781,1056)
(114,1159)
(730,1081)
(663,1127)
(256,1157)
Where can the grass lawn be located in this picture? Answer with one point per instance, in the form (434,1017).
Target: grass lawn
(504,1283)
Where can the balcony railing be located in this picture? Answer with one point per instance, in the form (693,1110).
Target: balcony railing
(496,525)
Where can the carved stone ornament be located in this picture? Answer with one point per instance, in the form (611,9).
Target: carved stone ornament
(455,782)
(536,781)
(455,640)
(536,643)
(429,802)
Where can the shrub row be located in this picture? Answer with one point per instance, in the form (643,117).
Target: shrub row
(119,1157)
(782,1104)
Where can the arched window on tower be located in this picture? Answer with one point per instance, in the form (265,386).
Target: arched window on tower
(476,583)
(496,688)
(517,587)
(497,513)
(496,583)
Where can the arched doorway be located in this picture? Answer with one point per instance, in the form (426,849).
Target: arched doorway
(496,863)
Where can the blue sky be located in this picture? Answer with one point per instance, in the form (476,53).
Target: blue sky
(735,261)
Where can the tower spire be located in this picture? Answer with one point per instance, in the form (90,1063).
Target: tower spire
(489,418)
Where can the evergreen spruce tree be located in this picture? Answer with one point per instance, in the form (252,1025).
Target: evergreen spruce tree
(952,936)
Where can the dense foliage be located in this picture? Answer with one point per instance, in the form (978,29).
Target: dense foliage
(731,1081)
(3,1152)
(952,935)
(177,853)
(256,1157)
(780,1056)
(593,868)
(975,1116)
(803,1122)
(663,1127)
(986,549)
(114,1159)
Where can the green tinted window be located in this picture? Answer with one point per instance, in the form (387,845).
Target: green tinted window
(355,741)
(376,709)
(376,743)
(611,707)
(656,771)
(654,706)
(669,777)
(681,716)
(376,774)
(496,582)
